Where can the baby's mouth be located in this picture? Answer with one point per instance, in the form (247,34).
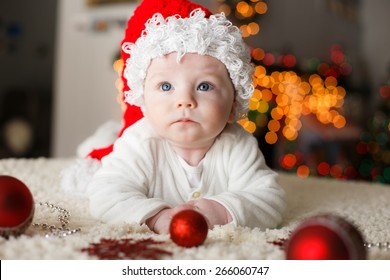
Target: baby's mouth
(184,120)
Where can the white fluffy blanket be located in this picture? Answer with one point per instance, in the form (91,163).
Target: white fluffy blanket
(365,204)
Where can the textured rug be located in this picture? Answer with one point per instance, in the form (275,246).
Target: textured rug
(364,204)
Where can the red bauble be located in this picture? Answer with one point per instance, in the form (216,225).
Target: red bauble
(325,237)
(188,228)
(16,206)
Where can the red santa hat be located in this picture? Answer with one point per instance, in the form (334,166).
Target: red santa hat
(160,27)
(135,27)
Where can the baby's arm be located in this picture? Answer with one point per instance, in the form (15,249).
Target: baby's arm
(119,190)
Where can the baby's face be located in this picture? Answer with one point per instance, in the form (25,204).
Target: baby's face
(188,102)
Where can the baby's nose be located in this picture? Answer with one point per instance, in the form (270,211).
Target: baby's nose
(186,101)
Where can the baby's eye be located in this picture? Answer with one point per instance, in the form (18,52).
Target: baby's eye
(205,87)
(165,86)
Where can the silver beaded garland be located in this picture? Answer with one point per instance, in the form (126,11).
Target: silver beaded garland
(63,218)
(380,245)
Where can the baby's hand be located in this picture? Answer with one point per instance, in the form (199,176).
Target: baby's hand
(160,222)
(185,206)
(214,212)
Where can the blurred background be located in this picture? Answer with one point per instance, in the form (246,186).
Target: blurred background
(321,105)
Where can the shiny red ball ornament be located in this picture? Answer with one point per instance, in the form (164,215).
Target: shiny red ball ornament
(188,228)
(325,237)
(16,206)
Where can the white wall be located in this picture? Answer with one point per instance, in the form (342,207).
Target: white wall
(85,93)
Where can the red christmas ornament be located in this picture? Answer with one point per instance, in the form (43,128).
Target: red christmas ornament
(16,206)
(188,228)
(325,237)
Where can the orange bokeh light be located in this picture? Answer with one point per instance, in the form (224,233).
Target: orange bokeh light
(261,8)
(258,54)
(289,161)
(303,171)
(271,137)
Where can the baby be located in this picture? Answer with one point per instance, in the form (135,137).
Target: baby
(192,78)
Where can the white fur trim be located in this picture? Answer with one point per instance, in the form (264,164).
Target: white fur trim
(76,177)
(105,135)
(214,36)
